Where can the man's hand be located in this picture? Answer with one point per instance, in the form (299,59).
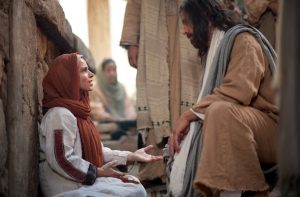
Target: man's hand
(133,51)
(107,170)
(181,128)
(142,155)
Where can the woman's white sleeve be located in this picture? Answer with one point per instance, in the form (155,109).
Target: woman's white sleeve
(61,138)
(110,155)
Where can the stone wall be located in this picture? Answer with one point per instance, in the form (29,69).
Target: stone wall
(4,57)
(289,61)
(32,34)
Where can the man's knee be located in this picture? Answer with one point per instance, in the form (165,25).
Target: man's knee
(219,109)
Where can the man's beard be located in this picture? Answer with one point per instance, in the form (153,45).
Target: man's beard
(195,42)
(199,39)
(190,37)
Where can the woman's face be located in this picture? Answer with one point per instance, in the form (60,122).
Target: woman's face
(86,76)
(110,73)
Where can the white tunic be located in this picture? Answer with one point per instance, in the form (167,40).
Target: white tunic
(62,168)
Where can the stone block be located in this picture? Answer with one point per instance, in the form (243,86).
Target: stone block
(4,54)
(51,20)
(52,52)
(42,45)
(4,6)
(3,153)
(41,71)
(83,50)
(21,102)
(4,183)
(3,139)
(3,80)
(4,34)
(2,65)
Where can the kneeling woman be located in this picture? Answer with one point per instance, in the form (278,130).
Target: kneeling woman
(73,161)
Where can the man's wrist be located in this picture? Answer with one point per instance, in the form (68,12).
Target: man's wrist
(189,116)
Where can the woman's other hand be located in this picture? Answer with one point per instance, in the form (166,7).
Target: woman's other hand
(107,170)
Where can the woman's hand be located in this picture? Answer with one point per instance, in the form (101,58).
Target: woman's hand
(180,130)
(107,170)
(142,155)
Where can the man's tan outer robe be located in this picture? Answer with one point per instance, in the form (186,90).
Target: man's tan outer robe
(241,122)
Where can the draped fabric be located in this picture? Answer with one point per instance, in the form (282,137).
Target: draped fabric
(168,67)
(185,163)
(168,71)
(153,71)
(61,88)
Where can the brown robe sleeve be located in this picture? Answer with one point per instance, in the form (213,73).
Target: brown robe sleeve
(243,77)
(131,25)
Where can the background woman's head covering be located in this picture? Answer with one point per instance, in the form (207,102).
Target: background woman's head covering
(114,93)
(61,88)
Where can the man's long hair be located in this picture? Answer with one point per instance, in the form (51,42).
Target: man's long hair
(200,13)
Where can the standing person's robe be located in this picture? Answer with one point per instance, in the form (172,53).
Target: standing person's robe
(167,81)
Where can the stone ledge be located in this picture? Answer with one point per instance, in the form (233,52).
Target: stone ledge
(83,50)
(51,20)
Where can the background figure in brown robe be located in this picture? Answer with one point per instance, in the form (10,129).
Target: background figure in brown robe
(156,47)
(239,116)
(262,14)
